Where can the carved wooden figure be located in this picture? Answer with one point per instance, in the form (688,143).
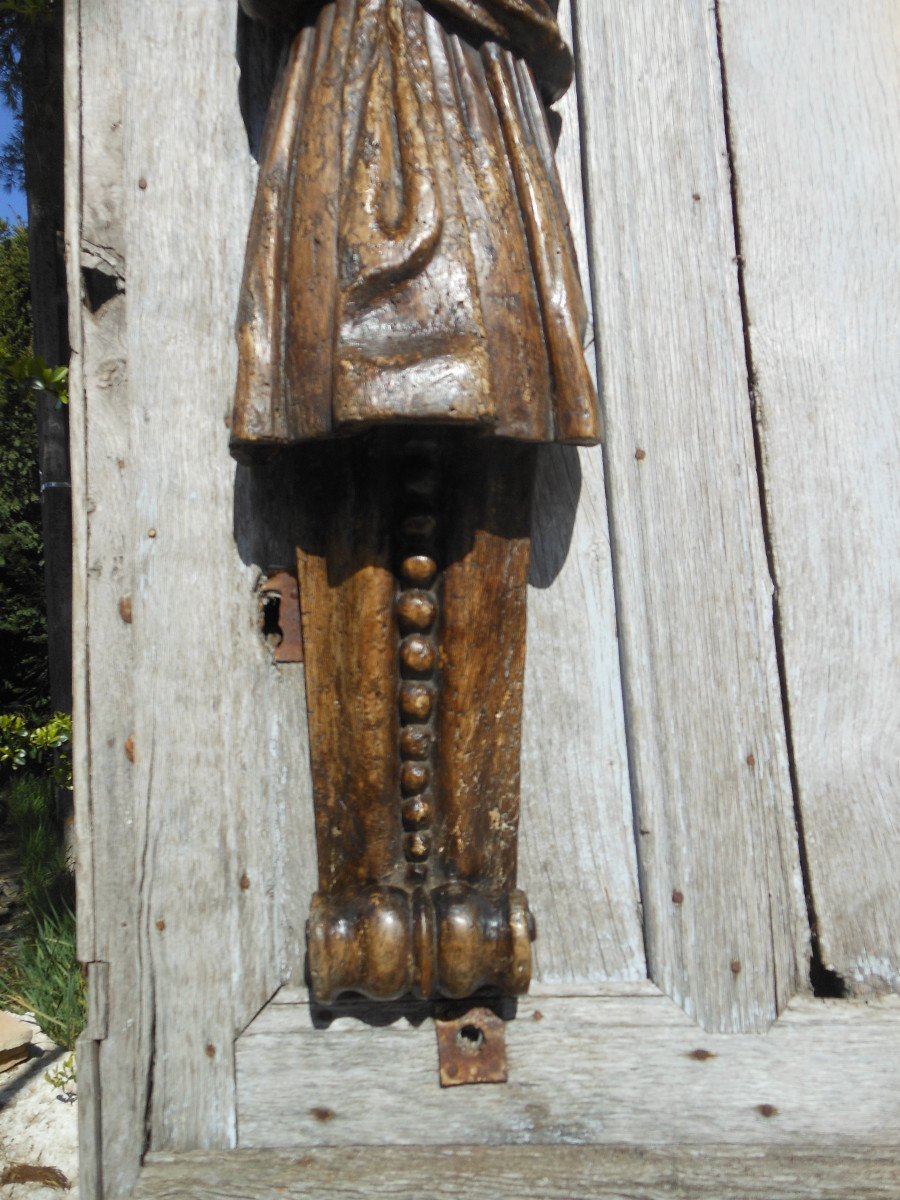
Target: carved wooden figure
(411,305)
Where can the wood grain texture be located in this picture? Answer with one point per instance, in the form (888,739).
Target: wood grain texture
(110,1135)
(220,765)
(816,148)
(227,801)
(540,1173)
(414,691)
(189,801)
(576,800)
(408,257)
(616,1070)
(194,950)
(90,1128)
(724,911)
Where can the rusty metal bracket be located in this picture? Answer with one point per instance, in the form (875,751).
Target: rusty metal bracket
(281,616)
(472,1049)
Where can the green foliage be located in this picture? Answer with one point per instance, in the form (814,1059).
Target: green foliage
(30,805)
(24,681)
(42,974)
(30,373)
(45,978)
(26,8)
(44,748)
(64,1075)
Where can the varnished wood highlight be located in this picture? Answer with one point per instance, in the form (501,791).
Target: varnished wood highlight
(408,180)
(415,737)
(409,258)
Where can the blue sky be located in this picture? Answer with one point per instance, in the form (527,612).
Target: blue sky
(13,207)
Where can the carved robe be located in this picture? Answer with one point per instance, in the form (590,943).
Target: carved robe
(409,258)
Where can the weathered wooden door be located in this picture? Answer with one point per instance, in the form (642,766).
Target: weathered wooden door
(710,805)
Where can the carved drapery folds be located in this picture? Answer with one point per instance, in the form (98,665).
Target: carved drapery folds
(410,279)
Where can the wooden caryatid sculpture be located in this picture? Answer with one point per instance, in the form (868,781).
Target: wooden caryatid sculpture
(411,308)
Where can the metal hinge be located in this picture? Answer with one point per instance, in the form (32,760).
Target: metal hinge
(97,1026)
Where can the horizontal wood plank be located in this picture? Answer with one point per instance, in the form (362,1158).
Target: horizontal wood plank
(540,1173)
(816,151)
(614,1070)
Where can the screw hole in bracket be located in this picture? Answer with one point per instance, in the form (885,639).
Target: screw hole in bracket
(470,1039)
(472,1049)
(271,619)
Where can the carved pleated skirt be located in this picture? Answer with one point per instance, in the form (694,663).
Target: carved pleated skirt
(409,257)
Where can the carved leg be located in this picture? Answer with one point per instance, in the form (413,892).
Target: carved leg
(413,574)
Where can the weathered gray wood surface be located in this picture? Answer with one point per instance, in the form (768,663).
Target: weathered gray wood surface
(220,769)
(577,818)
(196,858)
(110,1135)
(817,149)
(196,848)
(703,710)
(540,1173)
(180,793)
(617,1070)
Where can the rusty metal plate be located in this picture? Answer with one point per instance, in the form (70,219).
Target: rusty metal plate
(285,635)
(472,1049)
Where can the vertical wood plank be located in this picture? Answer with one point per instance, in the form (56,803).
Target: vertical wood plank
(220,766)
(192,772)
(815,123)
(724,910)
(111,1135)
(577,854)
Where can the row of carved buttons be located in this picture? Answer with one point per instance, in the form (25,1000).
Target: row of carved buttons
(417,613)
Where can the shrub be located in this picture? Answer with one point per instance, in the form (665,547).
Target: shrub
(41,973)
(43,748)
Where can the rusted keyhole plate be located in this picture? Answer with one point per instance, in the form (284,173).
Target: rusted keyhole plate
(280,597)
(472,1049)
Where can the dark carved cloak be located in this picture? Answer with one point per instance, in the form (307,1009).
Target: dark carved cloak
(409,256)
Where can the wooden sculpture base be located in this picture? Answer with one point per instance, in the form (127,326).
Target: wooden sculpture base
(413,570)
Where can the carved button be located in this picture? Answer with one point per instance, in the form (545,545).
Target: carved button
(422,447)
(416,700)
(417,653)
(416,610)
(417,812)
(415,743)
(417,846)
(419,569)
(422,483)
(418,525)
(414,777)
